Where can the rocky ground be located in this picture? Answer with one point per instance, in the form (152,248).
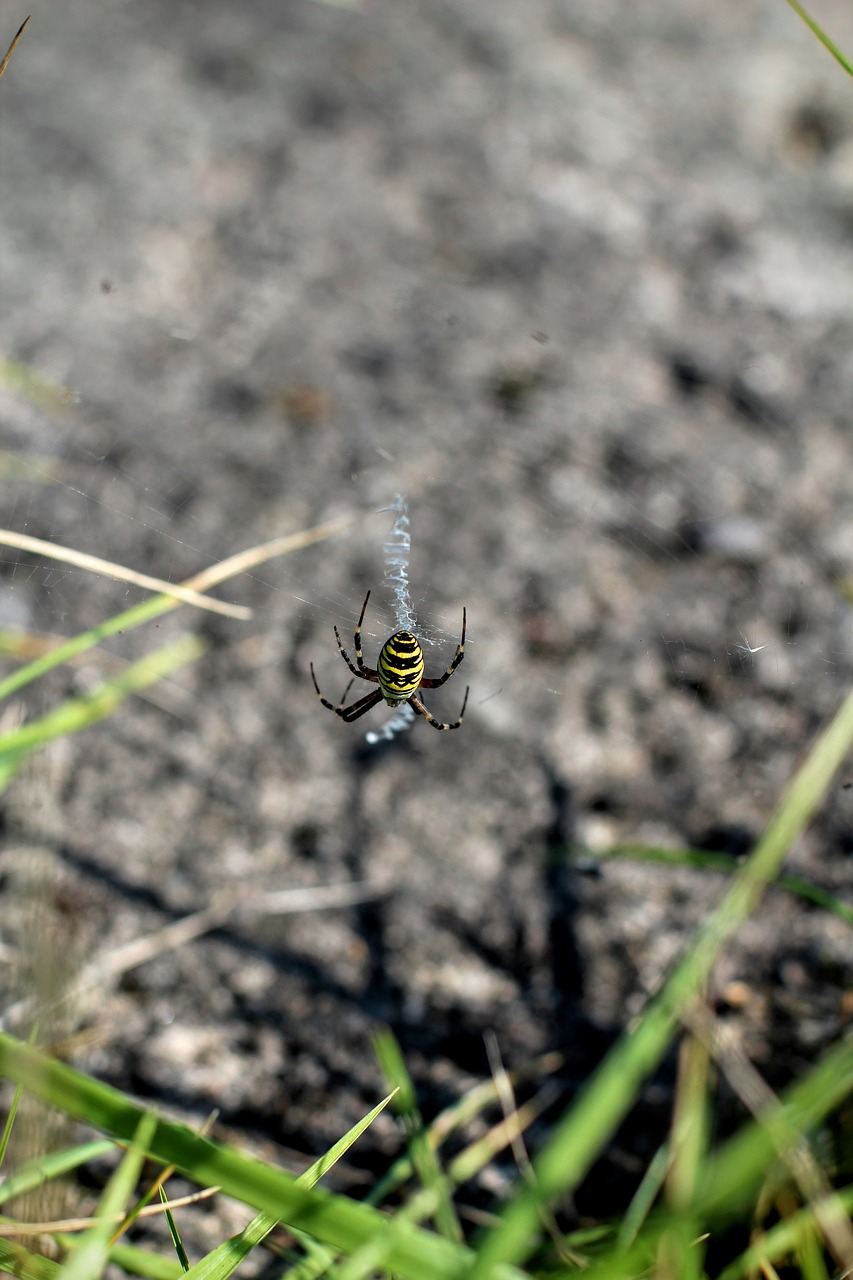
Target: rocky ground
(575,279)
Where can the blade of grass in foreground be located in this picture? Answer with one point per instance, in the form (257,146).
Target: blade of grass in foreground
(222,1261)
(119,573)
(157,605)
(20,1262)
(44,1168)
(424,1156)
(710,860)
(726,1191)
(822,37)
(4,64)
(90,1257)
(594,1117)
(331,1218)
(79,713)
(177,1243)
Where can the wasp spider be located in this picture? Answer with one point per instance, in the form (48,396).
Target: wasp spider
(399,674)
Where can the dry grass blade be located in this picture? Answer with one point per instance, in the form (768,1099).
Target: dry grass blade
(287,901)
(95,564)
(107,967)
(760,1100)
(509,1106)
(83,1224)
(4,64)
(253,556)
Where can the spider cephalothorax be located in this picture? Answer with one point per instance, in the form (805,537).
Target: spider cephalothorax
(399,674)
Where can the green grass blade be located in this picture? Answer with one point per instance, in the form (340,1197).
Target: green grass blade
(152,608)
(822,37)
(18,1261)
(141,1262)
(644,1197)
(92,1253)
(333,1219)
(780,1240)
(23,380)
(222,1261)
(733,1173)
(594,1117)
(178,1244)
(424,1154)
(315,1172)
(78,713)
(133,617)
(710,860)
(45,1168)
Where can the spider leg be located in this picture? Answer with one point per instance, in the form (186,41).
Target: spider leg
(361,670)
(325,701)
(358,709)
(460,654)
(418,706)
(357,640)
(345,655)
(365,672)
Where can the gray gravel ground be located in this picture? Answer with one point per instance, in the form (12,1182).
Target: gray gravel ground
(575,278)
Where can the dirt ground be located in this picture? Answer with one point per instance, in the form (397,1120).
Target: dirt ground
(576,279)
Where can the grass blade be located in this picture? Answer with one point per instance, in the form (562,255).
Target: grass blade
(822,37)
(54,1165)
(591,1121)
(92,1254)
(4,64)
(158,605)
(710,860)
(222,1261)
(79,713)
(424,1155)
(175,1233)
(333,1219)
(20,1262)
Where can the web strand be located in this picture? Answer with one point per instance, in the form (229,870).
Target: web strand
(396,550)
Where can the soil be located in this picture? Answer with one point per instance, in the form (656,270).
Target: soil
(575,279)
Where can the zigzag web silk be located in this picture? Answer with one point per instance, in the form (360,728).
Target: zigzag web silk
(396,550)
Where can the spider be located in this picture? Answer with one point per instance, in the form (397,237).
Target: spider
(399,673)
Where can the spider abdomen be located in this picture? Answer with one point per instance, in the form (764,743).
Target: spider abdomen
(400,668)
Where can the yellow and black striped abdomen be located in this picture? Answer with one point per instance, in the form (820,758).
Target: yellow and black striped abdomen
(400,668)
